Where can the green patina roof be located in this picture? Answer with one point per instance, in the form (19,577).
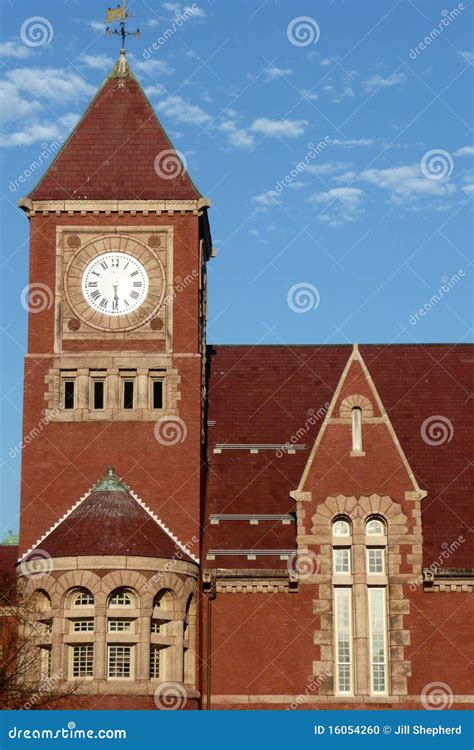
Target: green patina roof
(10,540)
(110,482)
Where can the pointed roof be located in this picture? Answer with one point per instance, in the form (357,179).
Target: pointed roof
(111,520)
(118,151)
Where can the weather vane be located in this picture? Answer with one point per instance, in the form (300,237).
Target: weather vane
(120,15)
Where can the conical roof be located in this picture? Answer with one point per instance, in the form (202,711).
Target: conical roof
(118,151)
(111,520)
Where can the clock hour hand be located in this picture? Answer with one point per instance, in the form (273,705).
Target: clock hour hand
(115,303)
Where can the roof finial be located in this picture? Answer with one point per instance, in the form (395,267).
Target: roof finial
(120,15)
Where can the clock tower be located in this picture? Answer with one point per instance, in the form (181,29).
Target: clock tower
(116,341)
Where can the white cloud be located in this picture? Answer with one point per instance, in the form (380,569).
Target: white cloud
(311,96)
(273,72)
(469,189)
(328,168)
(379,82)
(465,151)
(96,62)
(39,132)
(95,25)
(342,205)
(191,11)
(151,67)
(180,110)
(326,62)
(407,180)
(14,49)
(238,137)
(279,128)
(267,199)
(155,90)
(53,84)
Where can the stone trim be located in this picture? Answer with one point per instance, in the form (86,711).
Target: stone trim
(357,511)
(108,207)
(308,699)
(349,403)
(249,581)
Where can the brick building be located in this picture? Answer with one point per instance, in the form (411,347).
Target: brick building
(225,526)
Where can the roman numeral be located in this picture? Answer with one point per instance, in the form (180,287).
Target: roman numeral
(95,294)
(127,303)
(138,283)
(134,273)
(126,264)
(104,265)
(95,273)
(134,294)
(92,283)
(103,303)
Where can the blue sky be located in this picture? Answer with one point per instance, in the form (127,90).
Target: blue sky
(336,150)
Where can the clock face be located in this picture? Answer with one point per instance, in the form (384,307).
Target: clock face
(115,283)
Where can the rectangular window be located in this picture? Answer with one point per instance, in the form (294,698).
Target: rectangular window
(342,560)
(83,660)
(120,662)
(155,662)
(120,626)
(98,394)
(375,560)
(83,626)
(343,640)
(378,640)
(155,626)
(68,394)
(46,663)
(128,394)
(157,393)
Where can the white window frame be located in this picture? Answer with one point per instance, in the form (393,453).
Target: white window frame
(343,630)
(131,648)
(124,593)
(346,534)
(119,621)
(73,648)
(87,621)
(46,666)
(381,550)
(375,533)
(336,554)
(372,590)
(153,650)
(79,594)
(357,430)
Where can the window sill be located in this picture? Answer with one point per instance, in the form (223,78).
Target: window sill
(357,454)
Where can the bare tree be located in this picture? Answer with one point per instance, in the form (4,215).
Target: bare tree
(26,679)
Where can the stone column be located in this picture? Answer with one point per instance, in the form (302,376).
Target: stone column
(142,388)
(82,388)
(100,644)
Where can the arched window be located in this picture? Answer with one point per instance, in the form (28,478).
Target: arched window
(121,598)
(376,543)
(341,527)
(357,429)
(82,598)
(375,527)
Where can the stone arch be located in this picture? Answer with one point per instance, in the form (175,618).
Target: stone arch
(129,579)
(361,402)
(78,579)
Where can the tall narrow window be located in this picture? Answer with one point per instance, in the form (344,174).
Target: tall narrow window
(356,430)
(342,560)
(46,663)
(378,641)
(98,394)
(128,394)
(120,662)
(155,654)
(343,640)
(69,394)
(157,393)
